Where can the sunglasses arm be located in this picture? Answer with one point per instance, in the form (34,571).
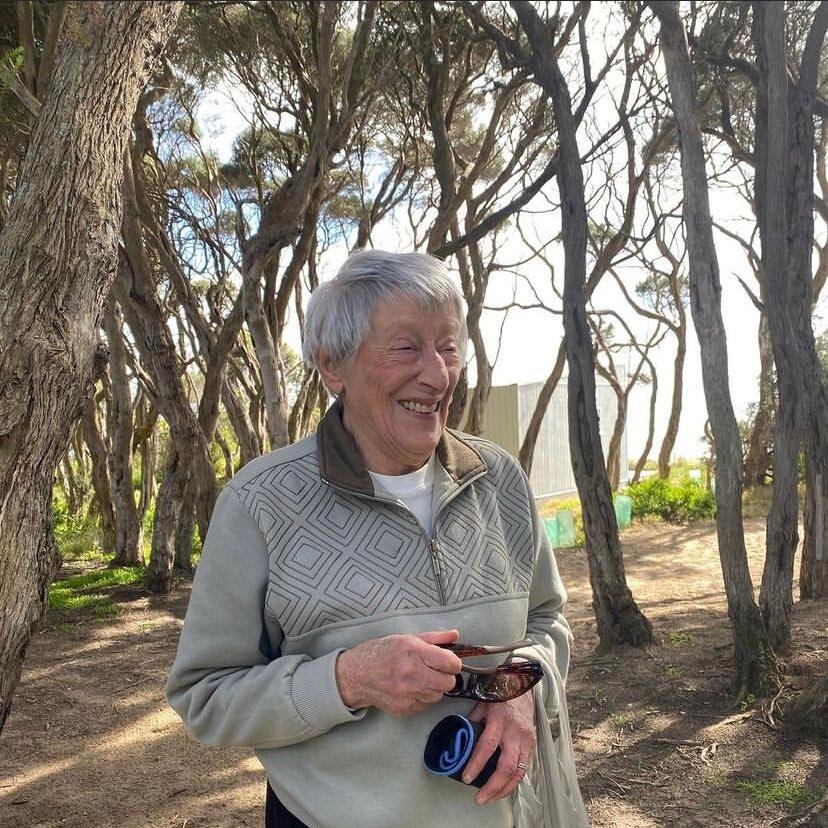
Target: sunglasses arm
(470,650)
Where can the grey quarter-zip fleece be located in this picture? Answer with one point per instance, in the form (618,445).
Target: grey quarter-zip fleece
(302,561)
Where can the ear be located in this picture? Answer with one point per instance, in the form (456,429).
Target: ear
(331,372)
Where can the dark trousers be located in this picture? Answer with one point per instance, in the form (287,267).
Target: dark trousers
(276,815)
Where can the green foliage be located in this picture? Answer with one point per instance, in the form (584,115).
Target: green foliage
(672,502)
(78,536)
(10,64)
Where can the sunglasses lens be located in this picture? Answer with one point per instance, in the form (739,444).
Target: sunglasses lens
(511,682)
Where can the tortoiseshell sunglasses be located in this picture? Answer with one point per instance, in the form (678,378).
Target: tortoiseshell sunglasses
(493,684)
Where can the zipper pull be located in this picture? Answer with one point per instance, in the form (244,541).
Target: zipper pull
(435,553)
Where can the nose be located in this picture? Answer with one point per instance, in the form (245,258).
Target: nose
(433,370)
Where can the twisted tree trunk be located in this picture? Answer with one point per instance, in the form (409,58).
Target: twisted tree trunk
(755,659)
(99,452)
(618,616)
(119,428)
(776,593)
(58,254)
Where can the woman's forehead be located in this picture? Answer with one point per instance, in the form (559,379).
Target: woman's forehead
(400,310)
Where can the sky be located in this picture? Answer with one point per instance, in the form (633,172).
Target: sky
(531,337)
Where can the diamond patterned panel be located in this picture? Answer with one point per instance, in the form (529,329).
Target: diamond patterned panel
(337,557)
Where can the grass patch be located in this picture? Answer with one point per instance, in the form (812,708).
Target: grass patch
(778,792)
(100,578)
(106,610)
(680,639)
(83,592)
(65,601)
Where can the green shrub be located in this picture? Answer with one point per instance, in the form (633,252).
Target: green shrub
(676,503)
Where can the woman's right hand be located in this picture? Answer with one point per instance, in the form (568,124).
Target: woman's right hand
(400,674)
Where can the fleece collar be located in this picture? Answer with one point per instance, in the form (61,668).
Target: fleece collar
(341,465)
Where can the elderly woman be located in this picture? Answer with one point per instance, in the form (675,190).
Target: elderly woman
(339,571)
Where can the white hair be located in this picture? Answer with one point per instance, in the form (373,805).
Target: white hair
(339,312)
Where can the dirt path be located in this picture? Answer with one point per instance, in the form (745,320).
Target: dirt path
(91,742)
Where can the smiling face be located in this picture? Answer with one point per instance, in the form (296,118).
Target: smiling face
(397,390)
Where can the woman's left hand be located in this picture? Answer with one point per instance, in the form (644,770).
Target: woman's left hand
(510,725)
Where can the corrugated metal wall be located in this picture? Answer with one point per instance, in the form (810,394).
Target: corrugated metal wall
(500,419)
(508,413)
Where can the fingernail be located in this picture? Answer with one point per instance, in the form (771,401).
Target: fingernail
(467,777)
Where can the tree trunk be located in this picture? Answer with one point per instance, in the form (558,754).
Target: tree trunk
(645,453)
(136,291)
(145,441)
(619,618)
(267,353)
(760,442)
(814,395)
(675,406)
(527,448)
(614,447)
(771,143)
(57,263)
(73,499)
(813,573)
(476,281)
(459,399)
(119,427)
(99,453)
(185,529)
(809,710)
(227,454)
(755,659)
(246,436)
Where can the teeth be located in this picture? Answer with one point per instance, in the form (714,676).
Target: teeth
(422,409)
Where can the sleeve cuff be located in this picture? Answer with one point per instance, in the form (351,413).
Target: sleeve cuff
(316,695)
(549,688)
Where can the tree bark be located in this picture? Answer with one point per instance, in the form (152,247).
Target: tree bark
(99,452)
(814,393)
(246,436)
(760,442)
(619,618)
(145,443)
(645,452)
(771,150)
(527,448)
(813,574)
(119,427)
(755,659)
(57,263)
(135,289)
(674,419)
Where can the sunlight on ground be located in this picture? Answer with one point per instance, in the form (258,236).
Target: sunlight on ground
(146,730)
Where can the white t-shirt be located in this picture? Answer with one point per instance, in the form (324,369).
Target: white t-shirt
(414,490)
